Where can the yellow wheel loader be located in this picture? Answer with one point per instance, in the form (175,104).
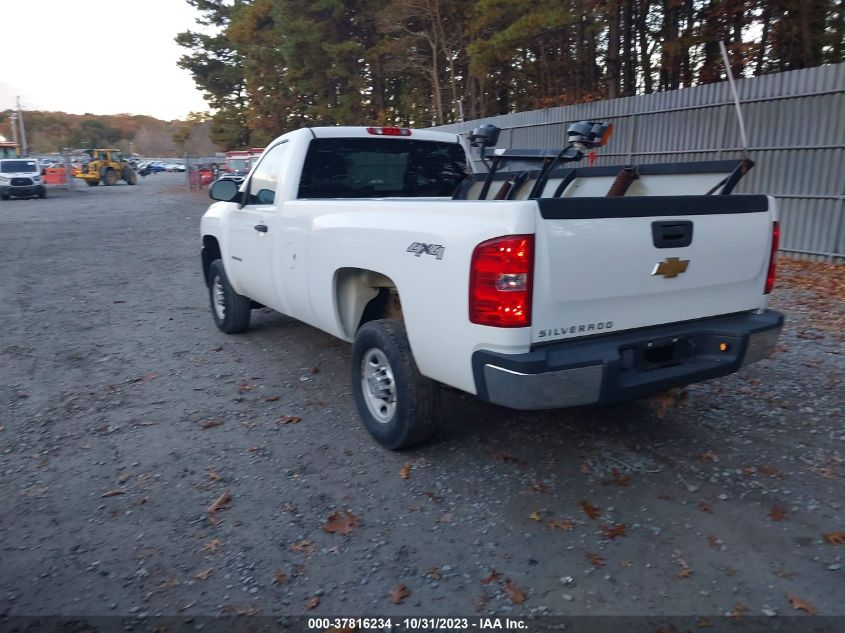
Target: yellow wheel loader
(106,166)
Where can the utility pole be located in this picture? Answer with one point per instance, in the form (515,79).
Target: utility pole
(13,121)
(24,148)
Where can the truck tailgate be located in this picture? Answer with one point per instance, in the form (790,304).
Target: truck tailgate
(610,264)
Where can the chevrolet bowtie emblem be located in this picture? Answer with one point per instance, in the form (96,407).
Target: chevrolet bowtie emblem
(672,267)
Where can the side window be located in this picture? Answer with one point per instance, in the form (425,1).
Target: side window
(262,184)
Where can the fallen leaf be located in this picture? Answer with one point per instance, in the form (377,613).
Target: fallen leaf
(214,475)
(713,541)
(124,477)
(288,507)
(516,594)
(686,572)
(479,602)
(504,458)
(493,577)
(433,497)
(777,513)
(618,479)
(405,471)
(244,387)
(314,370)
(271,398)
(705,506)
(613,531)
(589,509)
(585,469)
(204,574)
(114,492)
(824,471)
(303,546)
(221,502)
(560,525)
(212,546)
(737,611)
(835,538)
(801,605)
(280,577)
(539,486)
(342,522)
(535,516)
(398,594)
(595,559)
(248,610)
(210,424)
(768,471)
(708,456)
(434,573)
(312,602)
(446,518)
(704,623)
(290,419)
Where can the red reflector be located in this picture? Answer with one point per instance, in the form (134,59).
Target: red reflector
(389,131)
(770,277)
(500,281)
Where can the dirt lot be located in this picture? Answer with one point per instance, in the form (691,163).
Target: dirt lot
(126,414)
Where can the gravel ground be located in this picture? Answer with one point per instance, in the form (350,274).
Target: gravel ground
(126,415)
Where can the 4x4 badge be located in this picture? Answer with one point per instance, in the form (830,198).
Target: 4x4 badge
(672,267)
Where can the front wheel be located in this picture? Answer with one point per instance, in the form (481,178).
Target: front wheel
(231,311)
(398,405)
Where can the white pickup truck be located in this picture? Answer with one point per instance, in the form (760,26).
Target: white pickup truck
(553,287)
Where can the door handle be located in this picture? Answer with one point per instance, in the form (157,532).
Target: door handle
(261,228)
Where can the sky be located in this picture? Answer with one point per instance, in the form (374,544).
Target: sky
(103,57)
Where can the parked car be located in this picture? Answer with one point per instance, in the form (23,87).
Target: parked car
(21,178)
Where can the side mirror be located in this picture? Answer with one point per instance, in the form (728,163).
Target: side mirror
(224,191)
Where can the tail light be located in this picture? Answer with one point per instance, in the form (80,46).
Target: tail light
(500,281)
(770,277)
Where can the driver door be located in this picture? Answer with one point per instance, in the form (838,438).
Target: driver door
(252,228)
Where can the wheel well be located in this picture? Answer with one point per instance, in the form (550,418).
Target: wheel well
(362,296)
(210,252)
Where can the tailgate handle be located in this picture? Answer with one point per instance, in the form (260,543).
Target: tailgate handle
(672,234)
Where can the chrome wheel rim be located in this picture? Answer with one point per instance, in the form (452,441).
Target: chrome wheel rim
(378,385)
(218,298)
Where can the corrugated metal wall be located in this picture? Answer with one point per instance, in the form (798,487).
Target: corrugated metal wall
(796,132)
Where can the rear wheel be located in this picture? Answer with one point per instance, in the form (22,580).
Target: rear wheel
(130,176)
(397,404)
(231,311)
(4,196)
(42,194)
(110,177)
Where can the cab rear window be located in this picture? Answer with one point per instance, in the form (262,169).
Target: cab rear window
(380,168)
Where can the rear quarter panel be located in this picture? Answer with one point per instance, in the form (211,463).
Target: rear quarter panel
(376,234)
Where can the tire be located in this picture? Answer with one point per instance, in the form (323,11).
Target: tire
(383,368)
(92,183)
(230,310)
(130,176)
(42,194)
(110,177)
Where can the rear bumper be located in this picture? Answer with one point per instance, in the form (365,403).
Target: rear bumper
(627,365)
